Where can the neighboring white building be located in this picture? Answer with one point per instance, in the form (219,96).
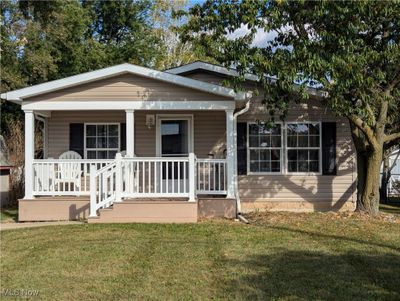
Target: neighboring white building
(394,182)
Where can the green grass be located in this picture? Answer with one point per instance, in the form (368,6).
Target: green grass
(8,215)
(276,257)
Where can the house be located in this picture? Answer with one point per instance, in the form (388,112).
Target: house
(132,144)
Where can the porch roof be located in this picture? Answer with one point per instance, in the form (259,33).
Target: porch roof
(18,95)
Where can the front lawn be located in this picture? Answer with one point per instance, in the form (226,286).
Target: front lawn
(277,257)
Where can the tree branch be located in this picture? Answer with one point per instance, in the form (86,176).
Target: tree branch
(368,132)
(383,113)
(371,113)
(394,82)
(358,140)
(391,137)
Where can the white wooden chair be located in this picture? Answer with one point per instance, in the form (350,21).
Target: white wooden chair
(70,155)
(69,172)
(131,172)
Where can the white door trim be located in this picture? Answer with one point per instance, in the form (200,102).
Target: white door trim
(160,117)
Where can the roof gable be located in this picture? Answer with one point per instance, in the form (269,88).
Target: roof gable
(199,65)
(126,87)
(18,95)
(211,68)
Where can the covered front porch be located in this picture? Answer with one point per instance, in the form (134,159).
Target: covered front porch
(133,155)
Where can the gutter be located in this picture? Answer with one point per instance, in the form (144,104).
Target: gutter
(236,186)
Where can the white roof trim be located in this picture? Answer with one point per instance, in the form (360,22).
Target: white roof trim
(18,95)
(212,68)
(111,104)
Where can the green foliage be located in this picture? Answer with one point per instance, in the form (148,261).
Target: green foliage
(47,40)
(351,48)
(175,52)
(125,28)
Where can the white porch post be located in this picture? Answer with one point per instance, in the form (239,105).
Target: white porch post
(29,152)
(130,133)
(93,191)
(230,153)
(118,177)
(192,183)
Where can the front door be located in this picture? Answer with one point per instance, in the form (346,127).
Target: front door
(174,140)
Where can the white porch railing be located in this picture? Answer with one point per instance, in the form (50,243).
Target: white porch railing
(103,183)
(155,177)
(58,177)
(107,181)
(211,176)
(141,177)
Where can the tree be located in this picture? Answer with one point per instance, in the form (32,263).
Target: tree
(125,29)
(174,52)
(350,49)
(47,40)
(42,41)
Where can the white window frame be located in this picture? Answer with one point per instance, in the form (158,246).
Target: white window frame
(102,149)
(248,151)
(284,150)
(319,148)
(187,117)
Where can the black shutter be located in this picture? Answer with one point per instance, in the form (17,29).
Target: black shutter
(76,137)
(242,148)
(123,137)
(329,148)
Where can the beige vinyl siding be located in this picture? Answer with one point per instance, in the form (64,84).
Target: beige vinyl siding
(127,87)
(216,79)
(320,192)
(276,192)
(209,130)
(207,77)
(58,126)
(298,192)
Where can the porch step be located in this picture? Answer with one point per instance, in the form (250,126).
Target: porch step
(149,211)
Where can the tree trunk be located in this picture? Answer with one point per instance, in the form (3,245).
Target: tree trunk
(368,171)
(369,197)
(361,174)
(384,180)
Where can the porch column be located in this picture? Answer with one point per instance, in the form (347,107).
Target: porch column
(130,133)
(230,153)
(29,152)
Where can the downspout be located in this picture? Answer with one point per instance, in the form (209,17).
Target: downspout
(236,186)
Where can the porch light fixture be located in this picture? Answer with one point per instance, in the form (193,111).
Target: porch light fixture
(150,121)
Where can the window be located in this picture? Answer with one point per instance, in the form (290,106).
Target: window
(303,147)
(102,140)
(265,148)
(174,138)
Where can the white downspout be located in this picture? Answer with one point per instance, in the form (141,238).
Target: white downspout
(236,186)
